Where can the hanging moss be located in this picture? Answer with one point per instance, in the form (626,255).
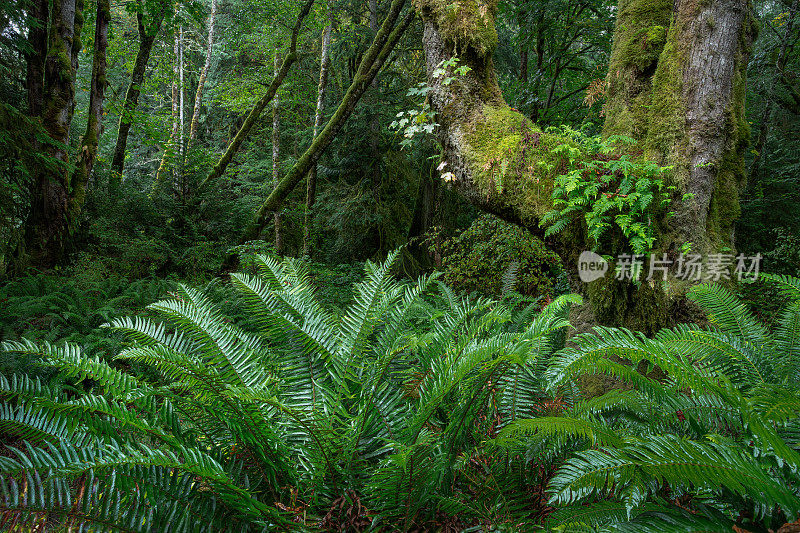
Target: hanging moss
(466,23)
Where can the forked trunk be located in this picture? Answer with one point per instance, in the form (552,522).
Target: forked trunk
(147,37)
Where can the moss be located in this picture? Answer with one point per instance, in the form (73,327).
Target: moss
(465,23)
(639,37)
(511,157)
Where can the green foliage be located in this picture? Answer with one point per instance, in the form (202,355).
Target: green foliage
(246,429)
(494,258)
(710,437)
(609,188)
(58,308)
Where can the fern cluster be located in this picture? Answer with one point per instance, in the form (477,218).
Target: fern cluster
(703,437)
(392,401)
(410,409)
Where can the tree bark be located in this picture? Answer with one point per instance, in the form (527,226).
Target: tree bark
(311,181)
(374,58)
(147,37)
(198,97)
(676,84)
(252,117)
(47,228)
(87,153)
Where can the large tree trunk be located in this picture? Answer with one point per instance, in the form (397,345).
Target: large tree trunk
(311,183)
(676,84)
(147,37)
(87,152)
(47,227)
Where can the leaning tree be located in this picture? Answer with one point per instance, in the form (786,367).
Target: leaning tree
(675,85)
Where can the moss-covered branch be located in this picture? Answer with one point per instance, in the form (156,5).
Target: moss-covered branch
(374,58)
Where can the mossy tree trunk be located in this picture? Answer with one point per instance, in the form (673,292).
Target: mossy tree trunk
(311,180)
(87,152)
(198,97)
(47,226)
(373,60)
(675,84)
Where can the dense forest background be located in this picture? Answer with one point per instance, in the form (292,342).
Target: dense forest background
(169,145)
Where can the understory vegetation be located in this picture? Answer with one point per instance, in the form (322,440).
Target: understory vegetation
(410,408)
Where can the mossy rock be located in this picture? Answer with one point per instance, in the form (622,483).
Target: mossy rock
(492,257)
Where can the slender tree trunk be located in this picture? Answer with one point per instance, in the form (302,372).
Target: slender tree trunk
(198,97)
(169,149)
(47,226)
(676,84)
(182,107)
(87,152)
(252,117)
(371,63)
(180,184)
(276,159)
(311,183)
(147,37)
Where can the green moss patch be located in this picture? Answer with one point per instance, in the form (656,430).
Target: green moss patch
(511,157)
(465,23)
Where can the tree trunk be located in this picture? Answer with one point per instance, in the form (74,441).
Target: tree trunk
(198,97)
(47,228)
(276,159)
(169,149)
(676,84)
(87,152)
(147,37)
(255,113)
(311,183)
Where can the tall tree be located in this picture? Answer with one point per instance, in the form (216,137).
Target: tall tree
(87,152)
(311,183)
(276,157)
(198,97)
(676,84)
(176,134)
(263,102)
(47,226)
(372,61)
(147,37)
